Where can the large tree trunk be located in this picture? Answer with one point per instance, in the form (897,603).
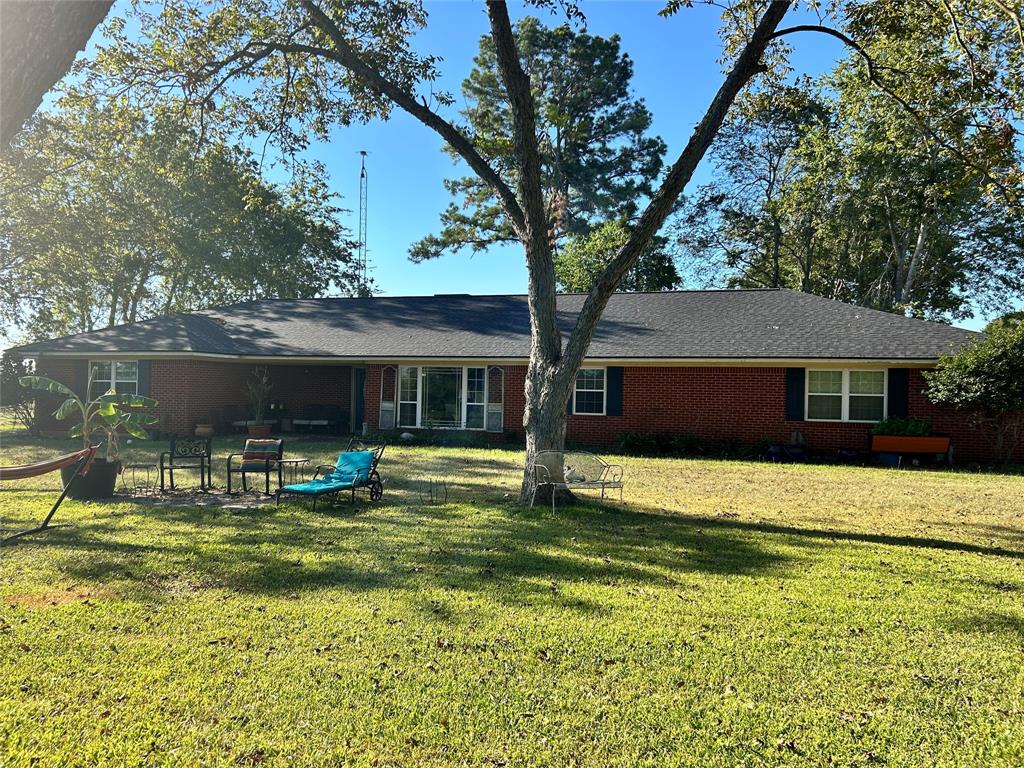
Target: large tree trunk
(39,40)
(544,421)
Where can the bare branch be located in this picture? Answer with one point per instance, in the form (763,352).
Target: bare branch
(923,124)
(961,43)
(349,58)
(1014,17)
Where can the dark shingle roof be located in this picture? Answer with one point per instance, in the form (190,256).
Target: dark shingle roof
(760,324)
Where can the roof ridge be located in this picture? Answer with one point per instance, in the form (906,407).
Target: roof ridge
(895,315)
(480,296)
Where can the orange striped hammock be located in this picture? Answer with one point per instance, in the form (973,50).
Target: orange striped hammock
(81,459)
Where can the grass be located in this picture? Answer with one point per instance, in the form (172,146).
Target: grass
(731,614)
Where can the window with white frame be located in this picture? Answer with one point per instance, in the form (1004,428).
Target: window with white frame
(846,395)
(442,397)
(408,396)
(589,396)
(122,376)
(476,397)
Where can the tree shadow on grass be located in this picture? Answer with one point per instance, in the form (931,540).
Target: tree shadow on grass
(990,622)
(499,549)
(831,535)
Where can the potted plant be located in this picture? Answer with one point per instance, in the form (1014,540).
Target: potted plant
(110,414)
(257,390)
(907,436)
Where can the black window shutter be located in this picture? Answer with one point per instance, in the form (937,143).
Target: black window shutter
(795,394)
(81,382)
(899,393)
(568,405)
(145,367)
(613,391)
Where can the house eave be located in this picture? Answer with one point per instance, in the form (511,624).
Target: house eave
(774,362)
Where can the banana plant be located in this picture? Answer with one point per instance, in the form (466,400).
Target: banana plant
(110,414)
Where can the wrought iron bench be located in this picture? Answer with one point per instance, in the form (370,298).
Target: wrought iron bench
(188,453)
(580,471)
(315,416)
(355,468)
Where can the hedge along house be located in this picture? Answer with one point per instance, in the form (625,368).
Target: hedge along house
(738,365)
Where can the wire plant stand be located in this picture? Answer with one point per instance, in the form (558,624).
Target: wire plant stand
(433,491)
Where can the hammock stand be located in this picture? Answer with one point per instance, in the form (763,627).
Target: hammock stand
(82,461)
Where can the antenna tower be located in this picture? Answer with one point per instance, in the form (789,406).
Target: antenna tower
(364,285)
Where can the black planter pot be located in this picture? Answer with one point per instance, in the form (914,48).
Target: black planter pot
(98,484)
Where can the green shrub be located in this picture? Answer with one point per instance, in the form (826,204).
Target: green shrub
(659,444)
(986,381)
(911,426)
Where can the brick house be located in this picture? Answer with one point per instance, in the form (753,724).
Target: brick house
(743,365)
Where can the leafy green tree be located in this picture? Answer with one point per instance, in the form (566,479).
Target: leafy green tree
(579,263)
(13,397)
(864,202)
(597,160)
(744,222)
(1009,320)
(986,380)
(283,70)
(113,217)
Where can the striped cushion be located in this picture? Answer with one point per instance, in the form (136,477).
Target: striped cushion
(258,455)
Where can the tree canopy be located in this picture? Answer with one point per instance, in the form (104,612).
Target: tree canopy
(598,159)
(111,216)
(986,380)
(909,203)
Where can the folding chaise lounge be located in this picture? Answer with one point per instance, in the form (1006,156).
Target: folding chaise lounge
(354,469)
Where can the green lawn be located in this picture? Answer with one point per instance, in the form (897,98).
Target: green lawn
(730,614)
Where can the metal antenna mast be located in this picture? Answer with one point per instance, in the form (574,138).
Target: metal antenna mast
(364,286)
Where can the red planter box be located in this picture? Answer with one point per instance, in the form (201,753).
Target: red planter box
(909,444)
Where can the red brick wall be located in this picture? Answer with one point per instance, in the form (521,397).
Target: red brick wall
(61,370)
(713,403)
(969,442)
(716,403)
(371,396)
(194,391)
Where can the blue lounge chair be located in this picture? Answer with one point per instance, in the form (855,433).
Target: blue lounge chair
(354,469)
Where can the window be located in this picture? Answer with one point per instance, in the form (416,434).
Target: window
(121,376)
(844,395)
(476,397)
(408,397)
(588,398)
(388,396)
(495,398)
(442,397)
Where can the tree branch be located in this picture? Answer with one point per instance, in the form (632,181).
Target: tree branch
(872,68)
(349,58)
(747,65)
